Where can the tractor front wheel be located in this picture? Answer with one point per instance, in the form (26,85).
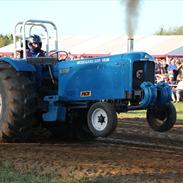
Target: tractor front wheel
(102,119)
(162,118)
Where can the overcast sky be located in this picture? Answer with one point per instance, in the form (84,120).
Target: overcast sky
(92,17)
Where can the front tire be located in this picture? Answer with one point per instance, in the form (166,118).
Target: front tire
(162,118)
(102,119)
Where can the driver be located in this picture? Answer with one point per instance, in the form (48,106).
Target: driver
(34,47)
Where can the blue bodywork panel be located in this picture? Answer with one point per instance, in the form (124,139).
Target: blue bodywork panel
(97,78)
(119,77)
(55,112)
(106,78)
(19,64)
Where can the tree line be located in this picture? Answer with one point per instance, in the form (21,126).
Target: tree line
(170,31)
(6,39)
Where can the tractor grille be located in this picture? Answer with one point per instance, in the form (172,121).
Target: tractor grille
(142,71)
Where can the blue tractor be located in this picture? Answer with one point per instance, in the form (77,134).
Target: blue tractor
(76,98)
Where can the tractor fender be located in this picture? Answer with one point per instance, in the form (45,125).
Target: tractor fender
(19,64)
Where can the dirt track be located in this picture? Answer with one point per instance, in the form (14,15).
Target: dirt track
(134,153)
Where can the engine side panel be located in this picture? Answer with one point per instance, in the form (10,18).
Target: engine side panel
(96,79)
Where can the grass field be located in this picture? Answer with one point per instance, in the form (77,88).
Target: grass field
(9,175)
(142,113)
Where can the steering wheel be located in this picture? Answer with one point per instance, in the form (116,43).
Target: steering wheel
(52,53)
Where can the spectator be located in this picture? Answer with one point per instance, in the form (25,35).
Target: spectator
(164,66)
(158,67)
(171,80)
(179,71)
(158,78)
(178,91)
(172,67)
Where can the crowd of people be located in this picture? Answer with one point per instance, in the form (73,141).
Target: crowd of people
(171,71)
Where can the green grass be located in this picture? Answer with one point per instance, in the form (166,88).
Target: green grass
(179,109)
(142,113)
(8,174)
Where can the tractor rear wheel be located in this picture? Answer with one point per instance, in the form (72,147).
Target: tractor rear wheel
(17,104)
(161,118)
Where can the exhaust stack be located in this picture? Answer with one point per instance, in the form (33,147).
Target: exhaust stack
(130,45)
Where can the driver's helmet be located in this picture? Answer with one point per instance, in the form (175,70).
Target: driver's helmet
(34,39)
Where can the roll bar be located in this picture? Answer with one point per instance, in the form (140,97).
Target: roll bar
(23,31)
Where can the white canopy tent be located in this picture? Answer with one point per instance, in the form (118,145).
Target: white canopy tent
(159,46)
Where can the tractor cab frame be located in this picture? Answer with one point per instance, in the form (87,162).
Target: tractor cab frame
(24,29)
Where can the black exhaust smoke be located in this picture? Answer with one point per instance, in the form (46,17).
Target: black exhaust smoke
(131,15)
(131,20)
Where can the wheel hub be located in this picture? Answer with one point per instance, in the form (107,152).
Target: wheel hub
(99,119)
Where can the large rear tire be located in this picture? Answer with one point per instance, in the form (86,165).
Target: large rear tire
(162,118)
(17,104)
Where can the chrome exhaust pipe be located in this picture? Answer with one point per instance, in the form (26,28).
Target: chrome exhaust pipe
(130,45)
